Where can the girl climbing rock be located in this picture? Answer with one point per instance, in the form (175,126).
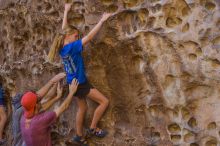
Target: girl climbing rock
(70,46)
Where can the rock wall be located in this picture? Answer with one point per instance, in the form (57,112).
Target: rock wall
(156,60)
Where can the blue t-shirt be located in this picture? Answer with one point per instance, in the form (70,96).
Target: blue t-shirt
(71,55)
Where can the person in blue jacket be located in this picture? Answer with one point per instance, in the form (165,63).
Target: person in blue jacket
(3,116)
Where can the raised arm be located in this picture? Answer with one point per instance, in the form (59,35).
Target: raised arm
(72,89)
(43,91)
(66,10)
(50,102)
(51,93)
(95,30)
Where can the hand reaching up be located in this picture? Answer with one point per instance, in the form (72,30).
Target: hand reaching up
(73,86)
(68,6)
(58,77)
(59,90)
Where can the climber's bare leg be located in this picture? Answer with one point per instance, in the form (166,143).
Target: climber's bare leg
(103,102)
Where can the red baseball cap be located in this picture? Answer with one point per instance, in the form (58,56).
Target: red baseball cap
(29,101)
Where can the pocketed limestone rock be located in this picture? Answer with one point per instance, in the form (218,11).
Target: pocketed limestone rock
(157,61)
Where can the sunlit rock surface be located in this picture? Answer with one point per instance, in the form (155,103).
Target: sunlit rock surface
(157,61)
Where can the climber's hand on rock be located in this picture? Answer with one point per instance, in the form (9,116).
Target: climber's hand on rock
(68,6)
(105,16)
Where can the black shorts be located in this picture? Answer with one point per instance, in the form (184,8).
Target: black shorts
(83,90)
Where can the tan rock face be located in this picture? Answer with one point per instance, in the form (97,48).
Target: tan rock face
(156,60)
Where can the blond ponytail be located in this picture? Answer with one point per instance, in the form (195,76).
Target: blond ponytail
(56,46)
(59,41)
